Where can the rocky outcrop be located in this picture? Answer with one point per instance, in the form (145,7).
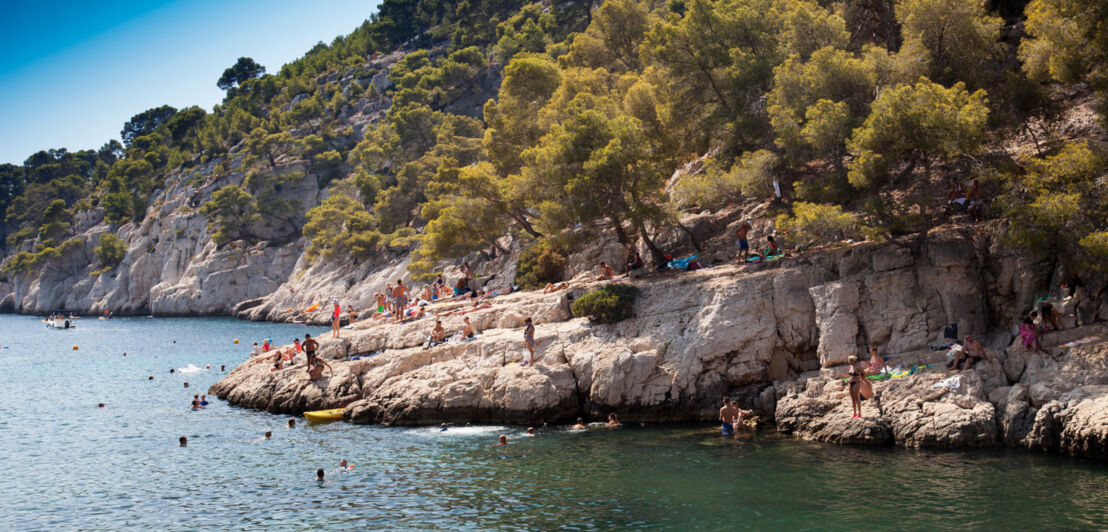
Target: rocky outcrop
(771,335)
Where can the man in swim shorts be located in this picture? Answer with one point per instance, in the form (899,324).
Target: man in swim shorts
(740,237)
(400,296)
(727,417)
(310,346)
(975,352)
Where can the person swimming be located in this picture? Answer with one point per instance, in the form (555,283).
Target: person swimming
(203,400)
(319,475)
(292,424)
(101,405)
(443,428)
(530,432)
(501,441)
(580,424)
(183,441)
(613,421)
(267,436)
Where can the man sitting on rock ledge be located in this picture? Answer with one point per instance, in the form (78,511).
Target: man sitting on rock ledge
(975,352)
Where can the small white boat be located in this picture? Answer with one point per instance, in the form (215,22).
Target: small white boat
(60,322)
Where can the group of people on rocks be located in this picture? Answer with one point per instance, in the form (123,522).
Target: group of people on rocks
(1046,318)
(971,199)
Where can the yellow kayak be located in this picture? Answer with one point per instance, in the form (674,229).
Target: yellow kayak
(324,416)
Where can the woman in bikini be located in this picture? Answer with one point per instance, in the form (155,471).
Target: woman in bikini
(856,374)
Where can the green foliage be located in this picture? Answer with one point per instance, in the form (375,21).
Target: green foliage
(813,223)
(916,124)
(1067,41)
(815,104)
(716,59)
(751,176)
(110,252)
(1059,206)
(230,213)
(953,40)
(146,123)
(610,303)
(540,263)
(327,164)
(236,75)
(341,226)
(808,27)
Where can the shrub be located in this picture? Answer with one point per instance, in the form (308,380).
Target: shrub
(813,223)
(607,304)
(110,252)
(542,262)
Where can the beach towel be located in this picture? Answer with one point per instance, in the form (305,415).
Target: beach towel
(768,258)
(950,383)
(1085,340)
(681,263)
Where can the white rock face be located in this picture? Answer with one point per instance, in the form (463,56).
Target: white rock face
(739,331)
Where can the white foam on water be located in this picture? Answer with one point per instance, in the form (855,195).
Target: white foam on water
(191,368)
(480,430)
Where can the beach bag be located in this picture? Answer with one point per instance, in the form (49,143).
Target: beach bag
(951,331)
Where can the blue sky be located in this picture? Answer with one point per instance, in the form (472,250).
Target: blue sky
(71,73)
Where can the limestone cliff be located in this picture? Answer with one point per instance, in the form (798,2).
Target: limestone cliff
(770,334)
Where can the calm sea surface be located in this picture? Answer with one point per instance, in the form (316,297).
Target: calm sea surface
(70,465)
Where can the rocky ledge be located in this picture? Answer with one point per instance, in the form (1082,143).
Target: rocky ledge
(770,335)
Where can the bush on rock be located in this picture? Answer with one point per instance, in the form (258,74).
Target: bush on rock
(607,304)
(543,262)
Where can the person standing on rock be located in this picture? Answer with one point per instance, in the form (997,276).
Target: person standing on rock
(310,346)
(380,298)
(400,295)
(727,417)
(740,238)
(336,318)
(856,375)
(529,340)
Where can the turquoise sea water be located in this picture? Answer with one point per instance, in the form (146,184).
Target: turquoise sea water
(69,465)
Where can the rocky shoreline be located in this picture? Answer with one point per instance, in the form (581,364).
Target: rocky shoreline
(772,335)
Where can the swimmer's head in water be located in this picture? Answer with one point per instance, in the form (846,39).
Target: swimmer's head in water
(268,434)
(580,421)
(184,441)
(342,463)
(150,378)
(530,430)
(171,370)
(101,405)
(186,385)
(503,440)
(222,368)
(319,474)
(292,423)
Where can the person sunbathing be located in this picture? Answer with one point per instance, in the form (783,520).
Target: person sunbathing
(551,287)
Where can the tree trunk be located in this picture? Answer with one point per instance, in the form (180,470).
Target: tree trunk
(692,237)
(621,235)
(525,224)
(655,253)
